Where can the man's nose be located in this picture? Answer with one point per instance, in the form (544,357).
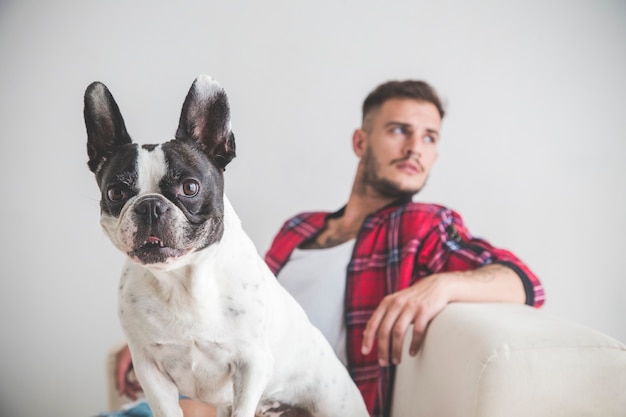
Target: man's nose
(413,145)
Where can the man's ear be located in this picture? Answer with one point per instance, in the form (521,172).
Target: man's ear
(359,143)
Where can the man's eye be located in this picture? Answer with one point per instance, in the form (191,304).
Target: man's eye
(430,139)
(190,188)
(398,130)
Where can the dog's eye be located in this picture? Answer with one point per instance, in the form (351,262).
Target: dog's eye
(190,188)
(116,194)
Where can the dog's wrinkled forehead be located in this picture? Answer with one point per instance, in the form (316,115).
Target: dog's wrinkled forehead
(151,168)
(121,169)
(140,168)
(145,168)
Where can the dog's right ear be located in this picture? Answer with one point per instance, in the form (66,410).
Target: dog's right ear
(104,123)
(205,120)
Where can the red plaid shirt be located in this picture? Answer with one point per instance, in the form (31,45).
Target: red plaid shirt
(396,246)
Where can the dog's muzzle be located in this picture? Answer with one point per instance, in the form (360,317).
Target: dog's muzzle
(155,239)
(150,210)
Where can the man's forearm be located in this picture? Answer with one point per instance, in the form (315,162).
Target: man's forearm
(490,283)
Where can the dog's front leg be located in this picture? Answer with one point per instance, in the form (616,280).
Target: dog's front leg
(161,393)
(250,380)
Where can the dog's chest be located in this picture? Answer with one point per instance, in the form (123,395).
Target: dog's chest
(193,335)
(199,368)
(166,310)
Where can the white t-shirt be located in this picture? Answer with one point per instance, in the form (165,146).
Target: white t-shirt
(316,278)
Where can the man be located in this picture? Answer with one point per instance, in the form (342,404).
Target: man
(383,262)
(407,260)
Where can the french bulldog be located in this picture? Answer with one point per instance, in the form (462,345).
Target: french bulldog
(203,315)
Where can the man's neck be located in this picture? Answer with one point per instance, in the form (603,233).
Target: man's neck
(342,229)
(360,206)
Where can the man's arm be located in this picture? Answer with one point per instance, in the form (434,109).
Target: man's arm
(422,301)
(123,366)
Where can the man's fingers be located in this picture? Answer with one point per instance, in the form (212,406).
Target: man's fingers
(368,338)
(383,340)
(418,337)
(120,379)
(371,329)
(122,368)
(420,324)
(389,324)
(129,393)
(132,388)
(398,335)
(387,333)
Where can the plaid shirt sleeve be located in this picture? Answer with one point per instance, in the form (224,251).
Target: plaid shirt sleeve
(293,232)
(449,246)
(396,247)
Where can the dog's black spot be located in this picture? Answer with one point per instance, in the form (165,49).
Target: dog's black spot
(289,410)
(119,173)
(234,311)
(205,210)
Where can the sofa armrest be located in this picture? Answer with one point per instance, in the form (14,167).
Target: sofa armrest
(510,360)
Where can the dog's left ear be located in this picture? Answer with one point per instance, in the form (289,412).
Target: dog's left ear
(105,126)
(205,119)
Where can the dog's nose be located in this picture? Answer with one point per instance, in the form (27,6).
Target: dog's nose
(151,209)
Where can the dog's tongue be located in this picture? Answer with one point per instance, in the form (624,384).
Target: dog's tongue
(153,242)
(153,239)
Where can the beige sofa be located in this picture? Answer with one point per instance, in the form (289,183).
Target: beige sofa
(503,360)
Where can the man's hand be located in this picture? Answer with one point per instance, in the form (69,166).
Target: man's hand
(422,301)
(416,305)
(125,381)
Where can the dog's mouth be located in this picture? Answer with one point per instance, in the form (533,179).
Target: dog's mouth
(152,242)
(154,250)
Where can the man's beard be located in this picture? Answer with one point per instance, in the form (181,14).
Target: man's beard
(383,186)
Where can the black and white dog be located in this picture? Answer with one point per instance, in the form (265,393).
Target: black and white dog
(203,315)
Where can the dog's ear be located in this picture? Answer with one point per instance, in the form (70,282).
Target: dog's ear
(105,126)
(205,119)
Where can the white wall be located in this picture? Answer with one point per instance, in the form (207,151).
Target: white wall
(533,152)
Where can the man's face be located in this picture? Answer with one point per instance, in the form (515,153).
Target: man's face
(398,147)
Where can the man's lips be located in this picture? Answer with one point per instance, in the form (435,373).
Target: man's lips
(410,166)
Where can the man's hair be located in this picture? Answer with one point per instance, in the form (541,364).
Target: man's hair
(411,89)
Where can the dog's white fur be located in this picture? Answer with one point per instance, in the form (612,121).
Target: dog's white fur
(215,325)
(218,327)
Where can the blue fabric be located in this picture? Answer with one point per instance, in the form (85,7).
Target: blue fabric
(139,409)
